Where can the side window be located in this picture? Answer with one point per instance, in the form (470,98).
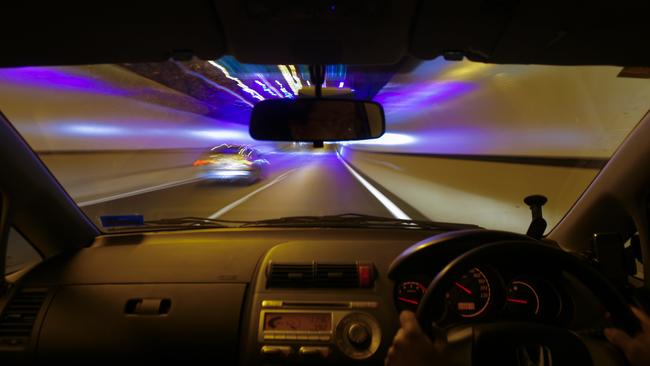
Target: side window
(19,252)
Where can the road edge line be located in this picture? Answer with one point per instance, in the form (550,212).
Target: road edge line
(390,206)
(139,191)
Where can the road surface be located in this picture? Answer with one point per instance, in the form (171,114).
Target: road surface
(294,184)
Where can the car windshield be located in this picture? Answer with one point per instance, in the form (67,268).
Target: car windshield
(465,142)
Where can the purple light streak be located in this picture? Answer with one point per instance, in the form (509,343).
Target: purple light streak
(60,78)
(402,102)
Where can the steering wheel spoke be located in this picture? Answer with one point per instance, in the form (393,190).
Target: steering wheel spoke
(515,343)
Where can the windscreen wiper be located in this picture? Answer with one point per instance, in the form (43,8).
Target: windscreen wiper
(357,220)
(192,221)
(347,220)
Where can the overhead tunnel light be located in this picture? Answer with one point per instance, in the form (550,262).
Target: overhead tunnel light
(388,139)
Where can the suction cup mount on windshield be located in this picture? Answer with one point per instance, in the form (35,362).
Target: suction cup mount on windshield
(537,224)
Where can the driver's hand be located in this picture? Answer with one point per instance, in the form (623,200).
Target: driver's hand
(411,346)
(637,348)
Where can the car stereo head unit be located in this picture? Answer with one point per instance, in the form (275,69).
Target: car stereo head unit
(354,333)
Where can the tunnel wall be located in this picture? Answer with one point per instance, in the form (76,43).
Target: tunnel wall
(523,110)
(106,107)
(488,194)
(94,175)
(77,118)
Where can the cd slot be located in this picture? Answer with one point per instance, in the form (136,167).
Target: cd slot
(316,304)
(277,304)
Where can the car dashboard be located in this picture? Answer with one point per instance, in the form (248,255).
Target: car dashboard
(255,296)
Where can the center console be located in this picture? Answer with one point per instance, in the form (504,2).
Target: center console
(330,304)
(318,330)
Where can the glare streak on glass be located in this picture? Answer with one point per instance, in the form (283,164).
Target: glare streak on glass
(284,90)
(266,88)
(289,78)
(212,83)
(239,83)
(295,76)
(269,84)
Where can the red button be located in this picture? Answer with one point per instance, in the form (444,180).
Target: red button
(365,275)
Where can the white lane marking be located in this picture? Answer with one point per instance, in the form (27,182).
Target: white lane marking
(248,196)
(139,191)
(390,206)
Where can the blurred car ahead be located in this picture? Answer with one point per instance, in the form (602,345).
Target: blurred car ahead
(232,164)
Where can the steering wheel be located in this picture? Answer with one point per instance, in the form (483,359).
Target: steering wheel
(523,343)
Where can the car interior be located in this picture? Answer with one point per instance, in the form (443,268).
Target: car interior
(313,259)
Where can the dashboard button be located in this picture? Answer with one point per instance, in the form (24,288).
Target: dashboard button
(280,337)
(268,337)
(276,351)
(271,303)
(314,352)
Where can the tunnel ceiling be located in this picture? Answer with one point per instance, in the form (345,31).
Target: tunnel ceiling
(229,89)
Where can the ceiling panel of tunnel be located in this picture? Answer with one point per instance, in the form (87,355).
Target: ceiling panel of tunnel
(230,88)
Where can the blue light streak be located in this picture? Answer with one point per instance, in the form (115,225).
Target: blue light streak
(266,88)
(287,94)
(269,84)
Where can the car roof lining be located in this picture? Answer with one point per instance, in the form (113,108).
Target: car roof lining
(497,31)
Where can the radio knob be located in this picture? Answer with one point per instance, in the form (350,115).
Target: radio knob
(358,334)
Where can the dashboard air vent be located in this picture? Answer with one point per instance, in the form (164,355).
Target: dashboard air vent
(320,275)
(18,317)
(336,275)
(290,275)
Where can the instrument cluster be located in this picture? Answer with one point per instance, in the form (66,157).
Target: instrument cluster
(485,293)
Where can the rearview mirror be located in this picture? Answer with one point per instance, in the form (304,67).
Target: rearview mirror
(316,120)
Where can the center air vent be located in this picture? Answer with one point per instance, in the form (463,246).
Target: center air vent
(345,275)
(18,318)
